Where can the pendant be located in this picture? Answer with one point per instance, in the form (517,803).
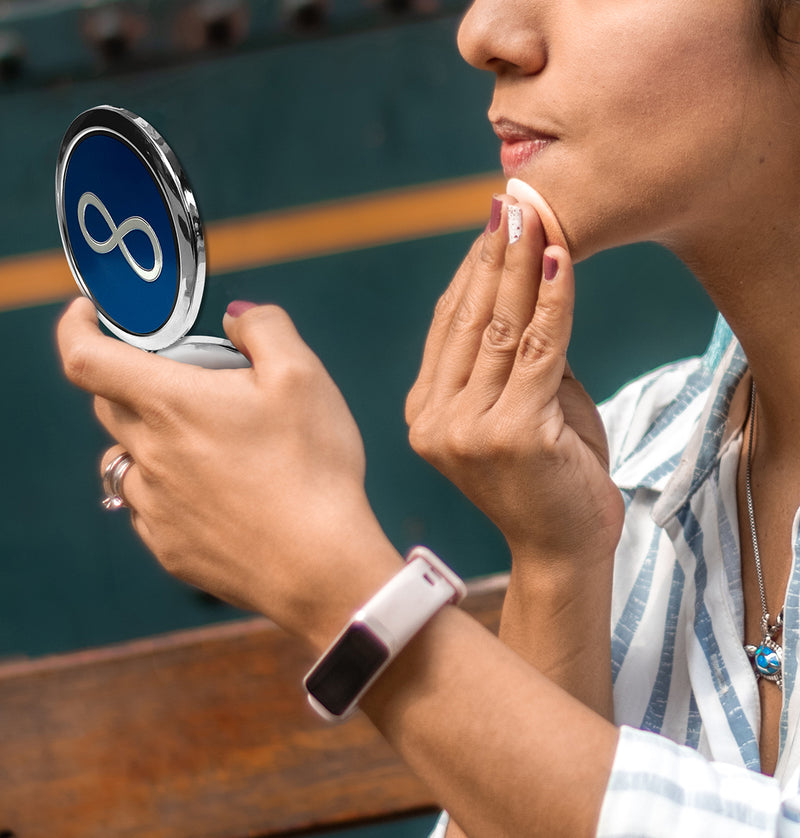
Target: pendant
(767,657)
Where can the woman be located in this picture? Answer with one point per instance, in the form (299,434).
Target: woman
(666,120)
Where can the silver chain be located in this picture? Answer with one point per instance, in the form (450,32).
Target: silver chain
(749,494)
(767,628)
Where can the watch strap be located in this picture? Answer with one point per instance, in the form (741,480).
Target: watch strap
(378,631)
(403,606)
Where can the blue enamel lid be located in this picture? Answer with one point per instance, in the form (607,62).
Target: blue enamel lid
(130,227)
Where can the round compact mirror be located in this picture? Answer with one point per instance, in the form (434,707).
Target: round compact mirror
(133,237)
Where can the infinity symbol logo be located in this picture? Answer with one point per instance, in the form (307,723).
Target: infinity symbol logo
(117,237)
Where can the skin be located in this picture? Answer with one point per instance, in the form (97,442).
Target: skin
(655,166)
(710,165)
(707,166)
(481,379)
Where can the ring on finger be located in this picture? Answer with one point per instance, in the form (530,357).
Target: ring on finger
(113,475)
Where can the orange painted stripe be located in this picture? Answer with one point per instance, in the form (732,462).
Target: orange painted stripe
(287,235)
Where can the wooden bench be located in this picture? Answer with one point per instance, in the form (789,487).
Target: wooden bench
(198,733)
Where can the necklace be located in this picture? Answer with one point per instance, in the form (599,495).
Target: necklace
(767,657)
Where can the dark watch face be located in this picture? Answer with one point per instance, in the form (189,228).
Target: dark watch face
(346,669)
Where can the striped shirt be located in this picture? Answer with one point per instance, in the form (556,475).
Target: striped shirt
(688,759)
(685,694)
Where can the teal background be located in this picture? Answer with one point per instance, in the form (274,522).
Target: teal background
(282,121)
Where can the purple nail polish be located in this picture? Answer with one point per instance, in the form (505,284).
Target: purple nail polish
(238,307)
(550,267)
(494,218)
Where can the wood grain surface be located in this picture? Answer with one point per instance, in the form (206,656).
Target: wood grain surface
(199,734)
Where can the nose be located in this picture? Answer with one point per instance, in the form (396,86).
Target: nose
(503,36)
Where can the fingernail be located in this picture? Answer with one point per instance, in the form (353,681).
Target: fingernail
(514,223)
(550,267)
(494,218)
(238,307)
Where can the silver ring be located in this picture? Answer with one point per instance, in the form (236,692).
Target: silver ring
(113,474)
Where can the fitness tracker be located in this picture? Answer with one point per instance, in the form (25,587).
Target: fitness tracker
(378,631)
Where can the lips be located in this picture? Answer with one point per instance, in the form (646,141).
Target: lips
(520,144)
(515,156)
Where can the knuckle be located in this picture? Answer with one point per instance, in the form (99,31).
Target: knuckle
(272,313)
(548,312)
(417,439)
(500,335)
(466,316)
(449,445)
(413,406)
(534,346)
(75,359)
(269,318)
(446,305)
(490,258)
(461,443)
(291,375)
(421,437)
(263,311)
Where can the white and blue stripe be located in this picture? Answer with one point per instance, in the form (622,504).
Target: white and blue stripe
(688,759)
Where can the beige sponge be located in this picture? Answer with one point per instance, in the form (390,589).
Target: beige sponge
(524,192)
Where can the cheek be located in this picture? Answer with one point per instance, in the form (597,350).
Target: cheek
(659,125)
(665,94)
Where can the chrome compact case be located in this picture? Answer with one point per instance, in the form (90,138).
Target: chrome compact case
(133,237)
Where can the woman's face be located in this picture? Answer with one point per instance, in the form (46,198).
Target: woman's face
(636,119)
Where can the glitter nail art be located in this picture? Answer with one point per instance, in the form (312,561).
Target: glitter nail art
(514,223)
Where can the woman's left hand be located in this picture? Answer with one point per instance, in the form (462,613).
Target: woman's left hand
(497,410)
(247,483)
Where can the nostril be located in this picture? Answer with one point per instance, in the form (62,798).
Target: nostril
(499,44)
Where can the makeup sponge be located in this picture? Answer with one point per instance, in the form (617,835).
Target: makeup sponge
(524,192)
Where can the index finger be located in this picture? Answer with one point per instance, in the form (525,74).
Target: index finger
(513,308)
(439,330)
(104,365)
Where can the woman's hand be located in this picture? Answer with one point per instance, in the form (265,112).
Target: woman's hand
(496,409)
(247,483)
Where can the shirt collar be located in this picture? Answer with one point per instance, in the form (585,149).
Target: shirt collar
(709,411)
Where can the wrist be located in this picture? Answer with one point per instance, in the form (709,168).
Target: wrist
(547,584)
(355,572)
(316,576)
(379,631)
(560,561)
(558,619)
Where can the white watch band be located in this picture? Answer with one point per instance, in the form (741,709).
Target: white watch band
(378,631)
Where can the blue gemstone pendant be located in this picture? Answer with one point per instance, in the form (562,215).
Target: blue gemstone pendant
(767,660)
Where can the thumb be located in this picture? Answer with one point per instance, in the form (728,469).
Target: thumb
(259,331)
